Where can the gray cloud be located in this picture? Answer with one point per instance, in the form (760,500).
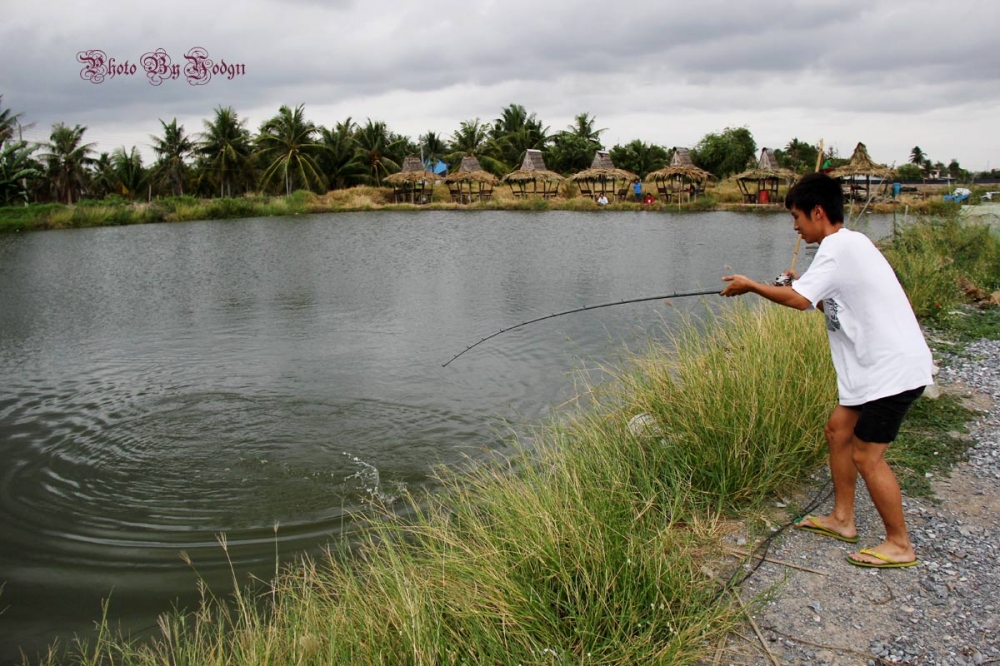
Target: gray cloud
(455,61)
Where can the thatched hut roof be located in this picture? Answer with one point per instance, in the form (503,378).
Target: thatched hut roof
(602,160)
(763,174)
(532,168)
(767,167)
(768,161)
(603,168)
(680,165)
(691,173)
(682,158)
(413,171)
(470,171)
(861,164)
(606,174)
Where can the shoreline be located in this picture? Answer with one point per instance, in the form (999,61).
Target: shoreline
(88,213)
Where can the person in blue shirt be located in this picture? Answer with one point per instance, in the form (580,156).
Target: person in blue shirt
(637,191)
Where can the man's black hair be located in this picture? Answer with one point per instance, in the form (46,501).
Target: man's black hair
(817,189)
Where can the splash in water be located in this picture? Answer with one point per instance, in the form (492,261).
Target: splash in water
(368,483)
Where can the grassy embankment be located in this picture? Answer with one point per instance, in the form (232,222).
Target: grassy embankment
(592,544)
(112,212)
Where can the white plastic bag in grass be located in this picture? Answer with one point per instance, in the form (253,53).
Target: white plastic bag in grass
(643,424)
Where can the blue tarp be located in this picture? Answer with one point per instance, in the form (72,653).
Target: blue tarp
(439,168)
(960,194)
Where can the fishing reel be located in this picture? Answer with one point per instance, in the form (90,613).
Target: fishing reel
(783,280)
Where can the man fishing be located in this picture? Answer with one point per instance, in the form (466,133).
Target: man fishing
(879,354)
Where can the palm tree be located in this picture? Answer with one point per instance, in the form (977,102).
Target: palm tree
(288,144)
(102,179)
(583,127)
(513,118)
(514,132)
(66,160)
(18,170)
(573,149)
(375,145)
(129,173)
(8,121)
(400,146)
(433,148)
(917,156)
(472,138)
(172,150)
(340,162)
(226,147)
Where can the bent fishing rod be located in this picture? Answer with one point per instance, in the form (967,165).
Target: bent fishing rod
(709,292)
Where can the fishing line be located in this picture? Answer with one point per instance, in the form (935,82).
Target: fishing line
(762,548)
(582,309)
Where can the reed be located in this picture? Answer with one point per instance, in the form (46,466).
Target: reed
(739,405)
(938,259)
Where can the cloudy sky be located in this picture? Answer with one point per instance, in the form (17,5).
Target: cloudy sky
(891,73)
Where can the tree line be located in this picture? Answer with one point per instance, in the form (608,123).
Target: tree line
(920,167)
(289,152)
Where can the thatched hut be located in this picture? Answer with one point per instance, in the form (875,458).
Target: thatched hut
(681,179)
(761,184)
(533,178)
(603,178)
(857,175)
(470,183)
(413,183)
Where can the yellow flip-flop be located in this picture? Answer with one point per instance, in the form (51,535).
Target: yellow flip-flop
(886,563)
(816,528)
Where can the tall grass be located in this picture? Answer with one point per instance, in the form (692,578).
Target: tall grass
(740,405)
(590,543)
(936,259)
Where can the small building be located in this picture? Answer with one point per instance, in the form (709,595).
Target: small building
(762,183)
(533,179)
(413,183)
(470,183)
(604,179)
(681,179)
(858,176)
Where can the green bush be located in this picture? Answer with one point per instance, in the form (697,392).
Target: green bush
(171,204)
(220,209)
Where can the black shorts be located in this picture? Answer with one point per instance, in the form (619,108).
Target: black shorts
(880,419)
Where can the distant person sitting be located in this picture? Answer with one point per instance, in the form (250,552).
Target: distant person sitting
(648,199)
(602,200)
(637,191)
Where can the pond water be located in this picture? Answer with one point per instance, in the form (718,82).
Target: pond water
(163,384)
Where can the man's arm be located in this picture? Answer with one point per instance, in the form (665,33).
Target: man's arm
(740,284)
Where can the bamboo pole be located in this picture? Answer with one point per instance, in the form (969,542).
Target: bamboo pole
(795,254)
(798,241)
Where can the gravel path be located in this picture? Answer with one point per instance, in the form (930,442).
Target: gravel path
(945,611)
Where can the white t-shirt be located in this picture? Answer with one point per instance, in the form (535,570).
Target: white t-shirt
(877,346)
